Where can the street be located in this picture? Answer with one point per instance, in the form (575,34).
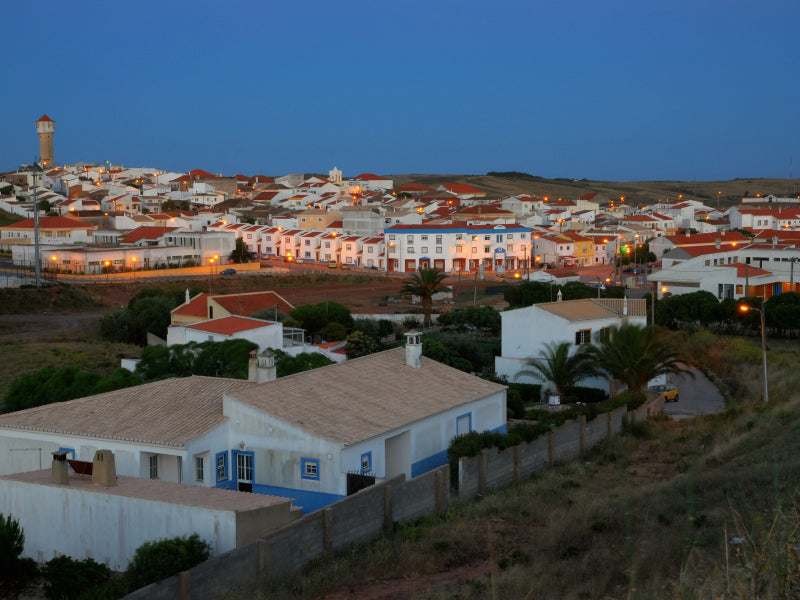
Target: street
(698,396)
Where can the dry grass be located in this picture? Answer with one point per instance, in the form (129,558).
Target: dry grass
(650,514)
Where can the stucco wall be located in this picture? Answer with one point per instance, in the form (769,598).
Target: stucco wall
(80,523)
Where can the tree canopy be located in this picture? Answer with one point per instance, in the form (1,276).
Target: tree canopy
(635,355)
(564,369)
(314,317)
(229,358)
(49,385)
(425,283)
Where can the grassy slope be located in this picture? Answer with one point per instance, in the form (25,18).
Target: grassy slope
(646,515)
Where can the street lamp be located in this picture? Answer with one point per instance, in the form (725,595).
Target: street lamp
(108,268)
(133,259)
(746,308)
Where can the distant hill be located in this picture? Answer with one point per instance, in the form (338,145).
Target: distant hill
(503,183)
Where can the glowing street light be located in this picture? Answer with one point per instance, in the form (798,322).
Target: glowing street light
(133,259)
(108,268)
(747,308)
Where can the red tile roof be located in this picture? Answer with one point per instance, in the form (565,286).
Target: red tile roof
(45,118)
(462,188)
(248,303)
(50,223)
(230,325)
(202,174)
(729,237)
(145,233)
(197,307)
(743,270)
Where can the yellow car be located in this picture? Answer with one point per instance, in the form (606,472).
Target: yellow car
(670,392)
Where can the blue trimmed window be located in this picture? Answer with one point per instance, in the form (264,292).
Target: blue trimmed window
(464,424)
(309,468)
(366,463)
(221,466)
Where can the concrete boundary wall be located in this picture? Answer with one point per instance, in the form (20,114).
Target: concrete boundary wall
(374,510)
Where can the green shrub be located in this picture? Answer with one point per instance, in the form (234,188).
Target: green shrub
(16,573)
(12,543)
(155,561)
(69,579)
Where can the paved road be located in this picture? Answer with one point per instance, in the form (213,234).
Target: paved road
(698,396)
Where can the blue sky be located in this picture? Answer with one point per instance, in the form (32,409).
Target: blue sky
(605,89)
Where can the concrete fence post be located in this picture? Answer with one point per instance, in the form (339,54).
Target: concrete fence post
(551,448)
(184,585)
(517,463)
(327,530)
(442,483)
(388,517)
(263,560)
(609,426)
(582,421)
(482,460)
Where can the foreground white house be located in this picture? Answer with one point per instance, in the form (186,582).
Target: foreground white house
(306,436)
(527,331)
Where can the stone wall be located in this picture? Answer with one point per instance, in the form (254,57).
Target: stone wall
(375,510)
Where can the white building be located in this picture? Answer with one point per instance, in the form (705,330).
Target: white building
(526,332)
(266,334)
(301,436)
(457,247)
(85,519)
(763,270)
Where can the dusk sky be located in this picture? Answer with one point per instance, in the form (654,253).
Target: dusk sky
(604,90)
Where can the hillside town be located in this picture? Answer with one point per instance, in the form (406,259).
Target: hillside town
(101,219)
(316,442)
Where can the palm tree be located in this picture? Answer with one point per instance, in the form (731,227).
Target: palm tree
(634,355)
(563,369)
(425,283)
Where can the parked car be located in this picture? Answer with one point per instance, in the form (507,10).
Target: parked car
(345,266)
(332,264)
(228,272)
(670,391)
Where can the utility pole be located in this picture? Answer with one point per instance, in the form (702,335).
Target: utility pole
(37,266)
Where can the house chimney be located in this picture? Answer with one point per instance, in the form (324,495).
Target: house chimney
(559,297)
(262,367)
(625,306)
(60,468)
(717,243)
(414,349)
(187,296)
(688,233)
(104,469)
